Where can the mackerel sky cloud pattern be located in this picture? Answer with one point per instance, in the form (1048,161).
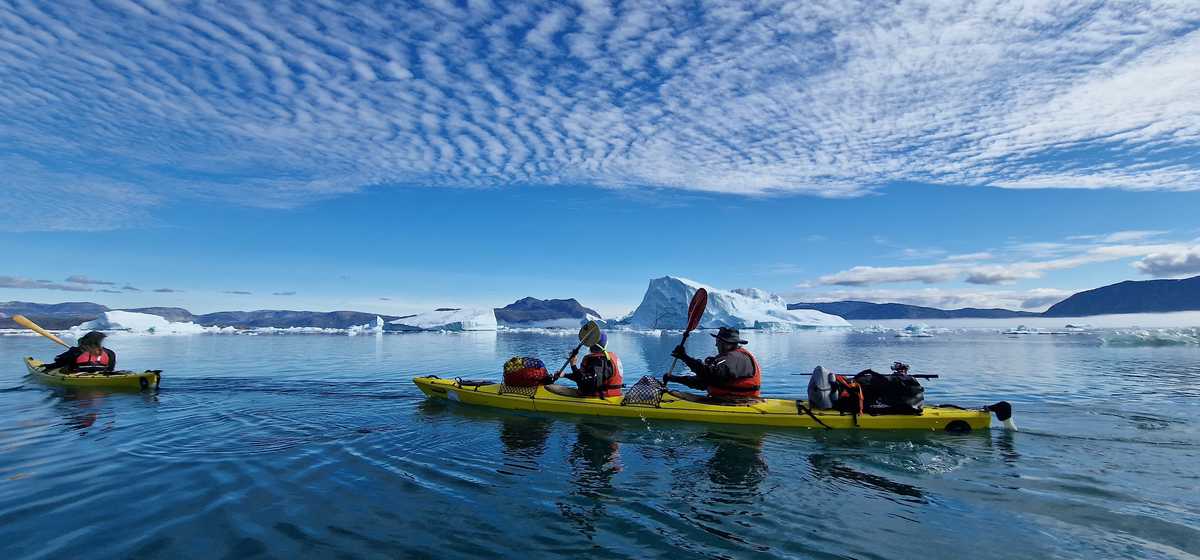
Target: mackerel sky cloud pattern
(283,103)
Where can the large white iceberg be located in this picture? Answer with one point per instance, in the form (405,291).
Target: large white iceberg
(448,320)
(665,307)
(141,323)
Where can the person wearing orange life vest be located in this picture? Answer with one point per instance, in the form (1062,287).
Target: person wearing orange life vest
(90,356)
(599,373)
(733,372)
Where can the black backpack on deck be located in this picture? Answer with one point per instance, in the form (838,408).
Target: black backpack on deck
(897,393)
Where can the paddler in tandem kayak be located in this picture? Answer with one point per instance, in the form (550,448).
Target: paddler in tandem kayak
(732,373)
(599,373)
(90,356)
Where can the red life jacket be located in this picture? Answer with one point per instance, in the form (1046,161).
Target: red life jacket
(744,387)
(613,387)
(88,362)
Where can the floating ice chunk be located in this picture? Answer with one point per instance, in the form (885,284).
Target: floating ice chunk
(375,328)
(1152,337)
(918,330)
(143,324)
(447,320)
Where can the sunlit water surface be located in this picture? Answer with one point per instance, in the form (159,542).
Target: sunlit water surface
(281,446)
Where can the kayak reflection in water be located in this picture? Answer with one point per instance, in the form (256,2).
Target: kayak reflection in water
(733,372)
(90,356)
(595,460)
(524,441)
(599,373)
(737,463)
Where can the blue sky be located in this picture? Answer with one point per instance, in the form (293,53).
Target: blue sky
(394,159)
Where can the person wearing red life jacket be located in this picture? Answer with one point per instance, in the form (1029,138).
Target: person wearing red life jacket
(90,356)
(599,373)
(733,372)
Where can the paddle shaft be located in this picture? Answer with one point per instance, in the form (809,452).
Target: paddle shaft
(564,366)
(24,322)
(676,360)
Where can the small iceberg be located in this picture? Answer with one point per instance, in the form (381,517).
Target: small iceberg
(143,324)
(919,330)
(447,319)
(1020,330)
(375,328)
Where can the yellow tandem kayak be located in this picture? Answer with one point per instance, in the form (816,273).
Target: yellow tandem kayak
(680,406)
(129,380)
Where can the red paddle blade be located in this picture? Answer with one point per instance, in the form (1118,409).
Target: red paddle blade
(696,308)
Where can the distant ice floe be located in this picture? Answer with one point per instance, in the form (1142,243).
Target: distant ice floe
(1020,330)
(142,324)
(447,320)
(665,304)
(1152,337)
(918,330)
(569,323)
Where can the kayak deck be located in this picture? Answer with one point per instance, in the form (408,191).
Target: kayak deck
(768,412)
(115,380)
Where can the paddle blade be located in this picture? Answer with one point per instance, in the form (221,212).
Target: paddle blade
(25,322)
(696,309)
(589,335)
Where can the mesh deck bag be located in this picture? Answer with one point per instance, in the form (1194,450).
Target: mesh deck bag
(646,392)
(525,372)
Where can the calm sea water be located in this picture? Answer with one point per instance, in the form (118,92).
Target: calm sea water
(282,446)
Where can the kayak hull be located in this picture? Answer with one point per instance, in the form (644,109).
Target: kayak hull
(124,380)
(781,413)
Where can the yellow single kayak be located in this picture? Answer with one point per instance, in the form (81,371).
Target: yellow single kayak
(113,380)
(672,405)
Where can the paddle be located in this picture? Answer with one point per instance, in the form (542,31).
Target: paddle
(695,312)
(24,322)
(589,335)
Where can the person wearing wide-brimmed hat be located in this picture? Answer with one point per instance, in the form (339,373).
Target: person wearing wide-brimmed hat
(733,372)
(89,356)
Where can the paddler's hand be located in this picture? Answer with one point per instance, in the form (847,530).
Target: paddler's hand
(571,359)
(680,353)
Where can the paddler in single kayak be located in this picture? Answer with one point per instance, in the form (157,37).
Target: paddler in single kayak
(599,373)
(90,356)
(733,372)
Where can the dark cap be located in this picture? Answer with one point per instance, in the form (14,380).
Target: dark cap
(732,336)
(94,338)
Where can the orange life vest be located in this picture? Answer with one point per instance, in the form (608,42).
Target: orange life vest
(744,387)
(613,387)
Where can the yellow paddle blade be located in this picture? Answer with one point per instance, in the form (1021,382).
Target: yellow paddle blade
(25,322)
(589,335)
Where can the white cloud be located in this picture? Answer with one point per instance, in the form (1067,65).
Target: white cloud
(1029,300)
(1158,259)
(287,102)
(1179,261)
(1120,236)
(867,275)
(970,257)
